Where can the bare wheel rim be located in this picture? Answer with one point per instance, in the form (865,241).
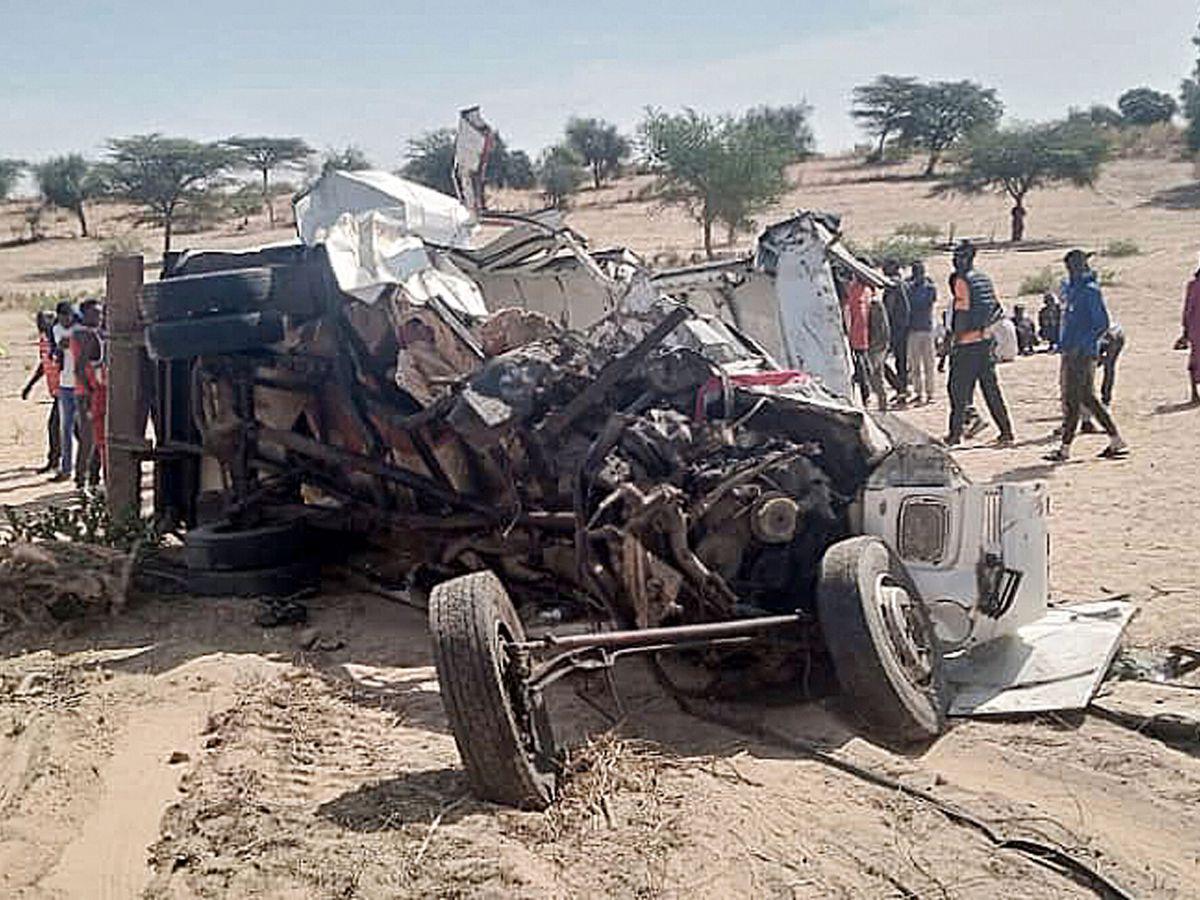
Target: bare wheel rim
(905,629)
(515,698)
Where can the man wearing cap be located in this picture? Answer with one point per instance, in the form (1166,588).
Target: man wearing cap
(971,363)
(1085,322)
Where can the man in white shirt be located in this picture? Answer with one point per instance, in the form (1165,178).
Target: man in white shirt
(66,387)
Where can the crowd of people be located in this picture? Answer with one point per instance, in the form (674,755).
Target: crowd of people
(71,351)
(898,341)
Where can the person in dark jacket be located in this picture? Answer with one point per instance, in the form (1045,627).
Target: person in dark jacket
(1050,321)
(1085,322)
(895,301)
(975,308)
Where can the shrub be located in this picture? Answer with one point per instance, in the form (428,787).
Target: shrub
(904,251)
(127,244)
(918,230)
(1109,277)
(1041,282)
(1163,140)
(1121,247)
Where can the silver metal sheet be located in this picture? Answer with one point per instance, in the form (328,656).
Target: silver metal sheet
(1054,663)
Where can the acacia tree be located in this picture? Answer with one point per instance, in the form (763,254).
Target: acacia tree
(68,182)
(163,175)
(884,108)
(599,145)
(1146,106)
(1016,161)
(945,112)
(266,154)
(720,170)
(10,171)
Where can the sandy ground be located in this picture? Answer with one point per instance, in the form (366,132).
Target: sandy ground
(331,774)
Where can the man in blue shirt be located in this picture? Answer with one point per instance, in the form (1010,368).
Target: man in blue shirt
(1085,322)
(921,298)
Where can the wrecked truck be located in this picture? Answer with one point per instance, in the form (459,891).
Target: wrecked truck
(675,463)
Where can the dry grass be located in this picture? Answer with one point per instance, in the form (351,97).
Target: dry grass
(595,774)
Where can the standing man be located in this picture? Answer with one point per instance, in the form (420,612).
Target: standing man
(63,326)
(1190,338)
(1085,322)
(895,301)
(87,351)
(1050,321)
(47,368)
(922,295)
(971,363)
(862,314)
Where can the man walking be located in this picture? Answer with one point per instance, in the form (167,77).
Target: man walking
(895,301)
(1085,322)
(971,363)
(922,295)
(1111,344)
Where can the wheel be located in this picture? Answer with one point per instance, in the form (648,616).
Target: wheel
(885,653)
(503,733)
(276,581)
(288,289)
(222,547)
(214,335)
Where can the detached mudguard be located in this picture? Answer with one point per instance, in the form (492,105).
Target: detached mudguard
(979,555)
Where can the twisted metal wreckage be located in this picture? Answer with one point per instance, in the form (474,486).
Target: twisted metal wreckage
(660,460)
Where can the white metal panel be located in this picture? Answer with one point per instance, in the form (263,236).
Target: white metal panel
(1057,662)
(810,316)
(428,214)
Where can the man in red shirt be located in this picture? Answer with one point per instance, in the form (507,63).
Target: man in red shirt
(867,346)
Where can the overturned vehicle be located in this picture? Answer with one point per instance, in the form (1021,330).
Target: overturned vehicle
(675,463)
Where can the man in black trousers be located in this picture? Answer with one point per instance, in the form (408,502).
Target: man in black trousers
(975,308)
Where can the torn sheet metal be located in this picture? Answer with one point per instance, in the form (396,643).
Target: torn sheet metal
(423,212)
(1055,663)
(472,147)
(371,251)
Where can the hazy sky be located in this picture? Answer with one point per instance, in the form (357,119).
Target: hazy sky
(78,71)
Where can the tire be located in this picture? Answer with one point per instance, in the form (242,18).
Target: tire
(503,736)
(221,547)
(287,289)
(877,630)
(214,336)
(278,581)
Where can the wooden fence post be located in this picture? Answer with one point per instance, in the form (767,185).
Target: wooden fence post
(127,406)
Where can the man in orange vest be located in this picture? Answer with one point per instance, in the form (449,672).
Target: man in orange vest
(48,368)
